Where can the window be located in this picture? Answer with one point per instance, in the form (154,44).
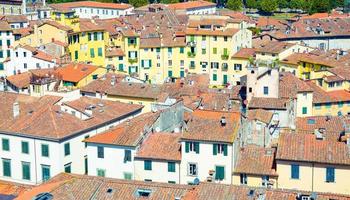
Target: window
(340,104)
(76,55)
(171,166)
(25,170)
(68,168)
(100,152)
(215,50)
(170,73)
(225,38)
(89,36)
(8,42)
(304,110)
(66,149)
(44,150)
(318,106)
(215,38)
(95,36)
(330,175)
(127,156)
(1,66)
(101,172)
(86,165)
(92,53)
(192,146)
(204,38)
(266,90)
(25,65)
(170,63)
(45,171)
(6,167)
(328,105)
(265,180)
(25,147)
(170,50)
(143,192)
(5,144)
(238,67)
(127,176)
(243,179)
(86,137)
(295,171)
(219,173)
(148,165)
(99,52)
(1,54)
(215,77)
(192,169)
(220,149)
(120,57)
(172,182)
(182,50)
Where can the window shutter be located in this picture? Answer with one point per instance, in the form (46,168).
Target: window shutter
(187,148)
(142,63)
(225,149)
(196,147)
(215,149)
(150,63)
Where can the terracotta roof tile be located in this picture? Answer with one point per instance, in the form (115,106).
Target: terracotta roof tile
(261,115)
(191,5)
(126,134)
(75,72)
(206,126)
(306,148)
(161,146)
(268,103)
(256,160)
(245,53)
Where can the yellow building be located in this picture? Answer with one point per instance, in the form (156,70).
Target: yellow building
(45,33)
(115,60)
(210,42)
(76,75)
(88,43)
(303,163)
(255,167)
(65,16)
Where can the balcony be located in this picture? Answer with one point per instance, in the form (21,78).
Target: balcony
(132,60)
(191,44)
(192,66)
(224,57)
(191,54)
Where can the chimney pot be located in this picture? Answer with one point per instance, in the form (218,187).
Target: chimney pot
(15,109)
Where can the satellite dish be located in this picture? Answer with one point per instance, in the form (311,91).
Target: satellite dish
(196,181)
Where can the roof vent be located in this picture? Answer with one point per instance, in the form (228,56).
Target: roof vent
(43,196)
(109,190)
(143,192)
(223,121)
(251,193)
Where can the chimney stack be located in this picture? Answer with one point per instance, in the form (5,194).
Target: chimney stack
(15,109)
(223,121)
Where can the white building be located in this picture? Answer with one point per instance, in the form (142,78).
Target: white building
(91,9)
(6,41)
(208,147)
(158,158)
(199,7)
(41,137)
(24,58)
(118,147)
(16,21)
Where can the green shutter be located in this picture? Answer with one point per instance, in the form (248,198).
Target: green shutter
(92,53)
(26,171)
(150,63)
(66,149)
(196,147)
(225,149)
(219,173)
(171,166)
(8,43)
(143,63)
(1,66)
(95,36)
(45,150)
(187,147)
(148,165)
(25,147)
(76,55)
(215,149)
(182,74)
(5,144)
(1,54)
(99,52)
(6,167)
(89,36)
(120,67)
(45,170)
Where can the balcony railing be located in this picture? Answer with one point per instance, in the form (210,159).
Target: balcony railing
(191,54)
(224,56)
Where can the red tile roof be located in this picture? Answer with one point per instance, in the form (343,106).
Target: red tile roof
(90,4)
(161,146)
(75,72)
(306,148)
(260,115)
(268,103)
(126,134)
(256,160)
(245,53)
(205,126)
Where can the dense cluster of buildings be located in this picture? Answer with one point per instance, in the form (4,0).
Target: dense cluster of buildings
(178,101)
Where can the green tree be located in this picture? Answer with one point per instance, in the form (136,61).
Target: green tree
(317,6)
(252,4)
(283,4)
(138,3)
(296,4)
(268,6)
(169,1)
(234,4)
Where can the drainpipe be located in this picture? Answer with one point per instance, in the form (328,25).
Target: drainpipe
(312,177)
(36,167)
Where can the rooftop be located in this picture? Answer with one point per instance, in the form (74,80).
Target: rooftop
(306,148)
(75,72)
(161,146)
(207,126)
(191,5)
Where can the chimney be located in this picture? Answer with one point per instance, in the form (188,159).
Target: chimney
(223,121)
(15,109)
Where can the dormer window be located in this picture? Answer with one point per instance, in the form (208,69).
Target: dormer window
(143,192)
